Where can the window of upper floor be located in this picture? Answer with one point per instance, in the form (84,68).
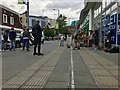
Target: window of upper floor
(4,18)
(12,20)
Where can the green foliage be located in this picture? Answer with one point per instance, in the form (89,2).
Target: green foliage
(62,24)
(49,32)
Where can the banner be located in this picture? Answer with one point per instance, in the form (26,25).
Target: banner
(21,1)
(107,27)
(113,28)
(109,24)
(118,29)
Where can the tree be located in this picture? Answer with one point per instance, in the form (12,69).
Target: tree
(49,32)
(62,24)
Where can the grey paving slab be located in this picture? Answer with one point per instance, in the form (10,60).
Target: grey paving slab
(60,75)
(106,81)
(114,72)
(86,87)
(57,85)
(32,75)
(95,66)
(82,74)
(99,72)
(10,87)
(104,78)
(112,57)
(16,61)
(39,79)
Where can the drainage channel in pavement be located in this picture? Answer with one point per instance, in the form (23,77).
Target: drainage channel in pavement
(101,69)
(37,74)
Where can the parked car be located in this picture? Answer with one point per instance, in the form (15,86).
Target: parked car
(43,38)
(18,41)
(31,40)
(7,45)
(69,41)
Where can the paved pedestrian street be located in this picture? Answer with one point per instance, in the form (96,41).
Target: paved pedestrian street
(60,67)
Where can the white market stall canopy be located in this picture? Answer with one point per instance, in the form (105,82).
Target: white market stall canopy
(8,27)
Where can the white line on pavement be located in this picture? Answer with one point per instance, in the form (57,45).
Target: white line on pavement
(72,71)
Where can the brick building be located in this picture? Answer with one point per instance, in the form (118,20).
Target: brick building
(9,18)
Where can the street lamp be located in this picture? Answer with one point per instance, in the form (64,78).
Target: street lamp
(58,18)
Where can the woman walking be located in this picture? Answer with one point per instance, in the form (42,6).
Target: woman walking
(26,36)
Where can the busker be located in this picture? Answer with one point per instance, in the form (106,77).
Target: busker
(4,39)
(37,34)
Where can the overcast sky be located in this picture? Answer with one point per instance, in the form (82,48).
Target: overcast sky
(69,8)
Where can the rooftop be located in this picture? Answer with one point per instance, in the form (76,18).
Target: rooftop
(6,8)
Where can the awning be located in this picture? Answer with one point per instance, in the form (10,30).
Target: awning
(8,27)
(85,11)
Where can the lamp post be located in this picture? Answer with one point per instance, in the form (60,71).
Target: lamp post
(58,19)
(28,13)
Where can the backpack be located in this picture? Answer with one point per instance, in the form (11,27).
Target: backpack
(26,34)
(12,36)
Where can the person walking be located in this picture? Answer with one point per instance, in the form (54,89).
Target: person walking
(62,40)
(26,36)
(77,41)
(2,36)
(91,38)
(37,34)
(12,35)
(95,39)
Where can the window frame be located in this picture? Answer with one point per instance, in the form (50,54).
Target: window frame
(4,15)
(12,20)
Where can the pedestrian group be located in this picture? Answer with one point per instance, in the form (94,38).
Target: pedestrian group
(10,36)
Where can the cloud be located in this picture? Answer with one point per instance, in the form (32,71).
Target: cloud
(65,5)
(69,8)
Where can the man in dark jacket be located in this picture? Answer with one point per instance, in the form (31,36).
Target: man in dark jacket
(12,36)
(37,34)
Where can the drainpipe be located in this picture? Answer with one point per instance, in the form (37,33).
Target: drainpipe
(28,13)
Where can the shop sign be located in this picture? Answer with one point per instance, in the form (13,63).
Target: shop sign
(113,28)
(110,23)
(118,29)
